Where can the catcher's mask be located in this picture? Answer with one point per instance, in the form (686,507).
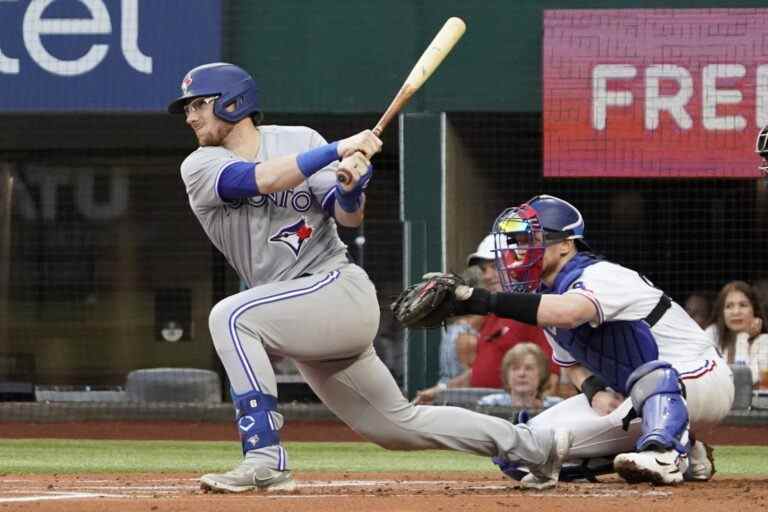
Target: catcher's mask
(522,234)
(761,148)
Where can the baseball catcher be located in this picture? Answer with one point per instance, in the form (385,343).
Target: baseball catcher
(647,372)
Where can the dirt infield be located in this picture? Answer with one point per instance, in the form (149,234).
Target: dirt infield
(335,492)
(362,492)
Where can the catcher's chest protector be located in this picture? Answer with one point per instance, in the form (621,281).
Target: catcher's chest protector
(612,350)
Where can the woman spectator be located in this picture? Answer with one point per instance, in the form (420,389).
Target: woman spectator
(525,374)
(738,328)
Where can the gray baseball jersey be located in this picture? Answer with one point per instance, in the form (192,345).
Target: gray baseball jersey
(305,301)
(271,237)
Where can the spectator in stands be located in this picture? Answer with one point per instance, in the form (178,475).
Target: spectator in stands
(452,363)
(496,337)
(761,288)
(738,328)
(699,306)
(525,373)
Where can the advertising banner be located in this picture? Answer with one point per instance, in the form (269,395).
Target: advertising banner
(654,93)
(102,55)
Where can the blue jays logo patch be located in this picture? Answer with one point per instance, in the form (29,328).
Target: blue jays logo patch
(185,84)
(294,235)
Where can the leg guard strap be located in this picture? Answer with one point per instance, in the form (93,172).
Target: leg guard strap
(657,397)
(255,423)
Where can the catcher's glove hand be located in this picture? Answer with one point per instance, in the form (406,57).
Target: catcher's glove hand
(429,302)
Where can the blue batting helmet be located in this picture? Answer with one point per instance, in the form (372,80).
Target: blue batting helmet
(522,234)
(231,85)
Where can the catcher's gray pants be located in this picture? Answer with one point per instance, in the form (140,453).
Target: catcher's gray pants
(326,324)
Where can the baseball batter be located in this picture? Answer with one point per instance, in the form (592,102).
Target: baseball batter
(630,349)
(268,199)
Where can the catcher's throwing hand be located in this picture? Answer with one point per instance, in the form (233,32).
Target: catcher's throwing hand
(605,402)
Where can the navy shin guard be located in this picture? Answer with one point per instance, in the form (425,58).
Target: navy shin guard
(255,424)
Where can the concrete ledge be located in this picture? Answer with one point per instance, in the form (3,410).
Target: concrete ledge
(143,411)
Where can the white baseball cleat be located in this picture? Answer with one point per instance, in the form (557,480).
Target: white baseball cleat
(701,464)
(660,468)
(546,475)
(248,477)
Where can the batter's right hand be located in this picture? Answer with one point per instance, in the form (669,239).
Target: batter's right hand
(605,402)
(365,142)
(354,168)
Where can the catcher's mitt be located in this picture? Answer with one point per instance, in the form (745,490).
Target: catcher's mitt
(429,302)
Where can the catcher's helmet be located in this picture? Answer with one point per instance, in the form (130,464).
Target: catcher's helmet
(761,148)
(230,84)
(522,234)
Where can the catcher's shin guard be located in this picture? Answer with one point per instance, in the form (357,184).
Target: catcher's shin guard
(255,424)
(657,396)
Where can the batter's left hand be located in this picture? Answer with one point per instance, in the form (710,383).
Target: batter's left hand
(355,168)
(605,402)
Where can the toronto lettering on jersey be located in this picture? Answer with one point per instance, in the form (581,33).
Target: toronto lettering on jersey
(300,200)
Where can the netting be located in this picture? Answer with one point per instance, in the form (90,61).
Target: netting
(109,275)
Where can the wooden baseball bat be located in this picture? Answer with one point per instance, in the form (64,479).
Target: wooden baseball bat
(437,50)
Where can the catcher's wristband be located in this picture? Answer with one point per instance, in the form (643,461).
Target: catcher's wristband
(591,386)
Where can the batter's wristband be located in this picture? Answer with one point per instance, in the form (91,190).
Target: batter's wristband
(349,201)
(591,386)
(309,162)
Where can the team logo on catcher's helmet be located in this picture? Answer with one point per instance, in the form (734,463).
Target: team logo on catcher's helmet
(294,236)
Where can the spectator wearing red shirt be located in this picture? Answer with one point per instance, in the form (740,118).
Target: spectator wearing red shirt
(497,335)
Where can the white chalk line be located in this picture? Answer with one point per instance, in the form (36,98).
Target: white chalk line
(137,491)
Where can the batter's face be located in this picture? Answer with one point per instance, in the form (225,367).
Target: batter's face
(209,129)
(738,312)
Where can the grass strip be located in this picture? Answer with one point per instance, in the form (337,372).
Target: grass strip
(48,456)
